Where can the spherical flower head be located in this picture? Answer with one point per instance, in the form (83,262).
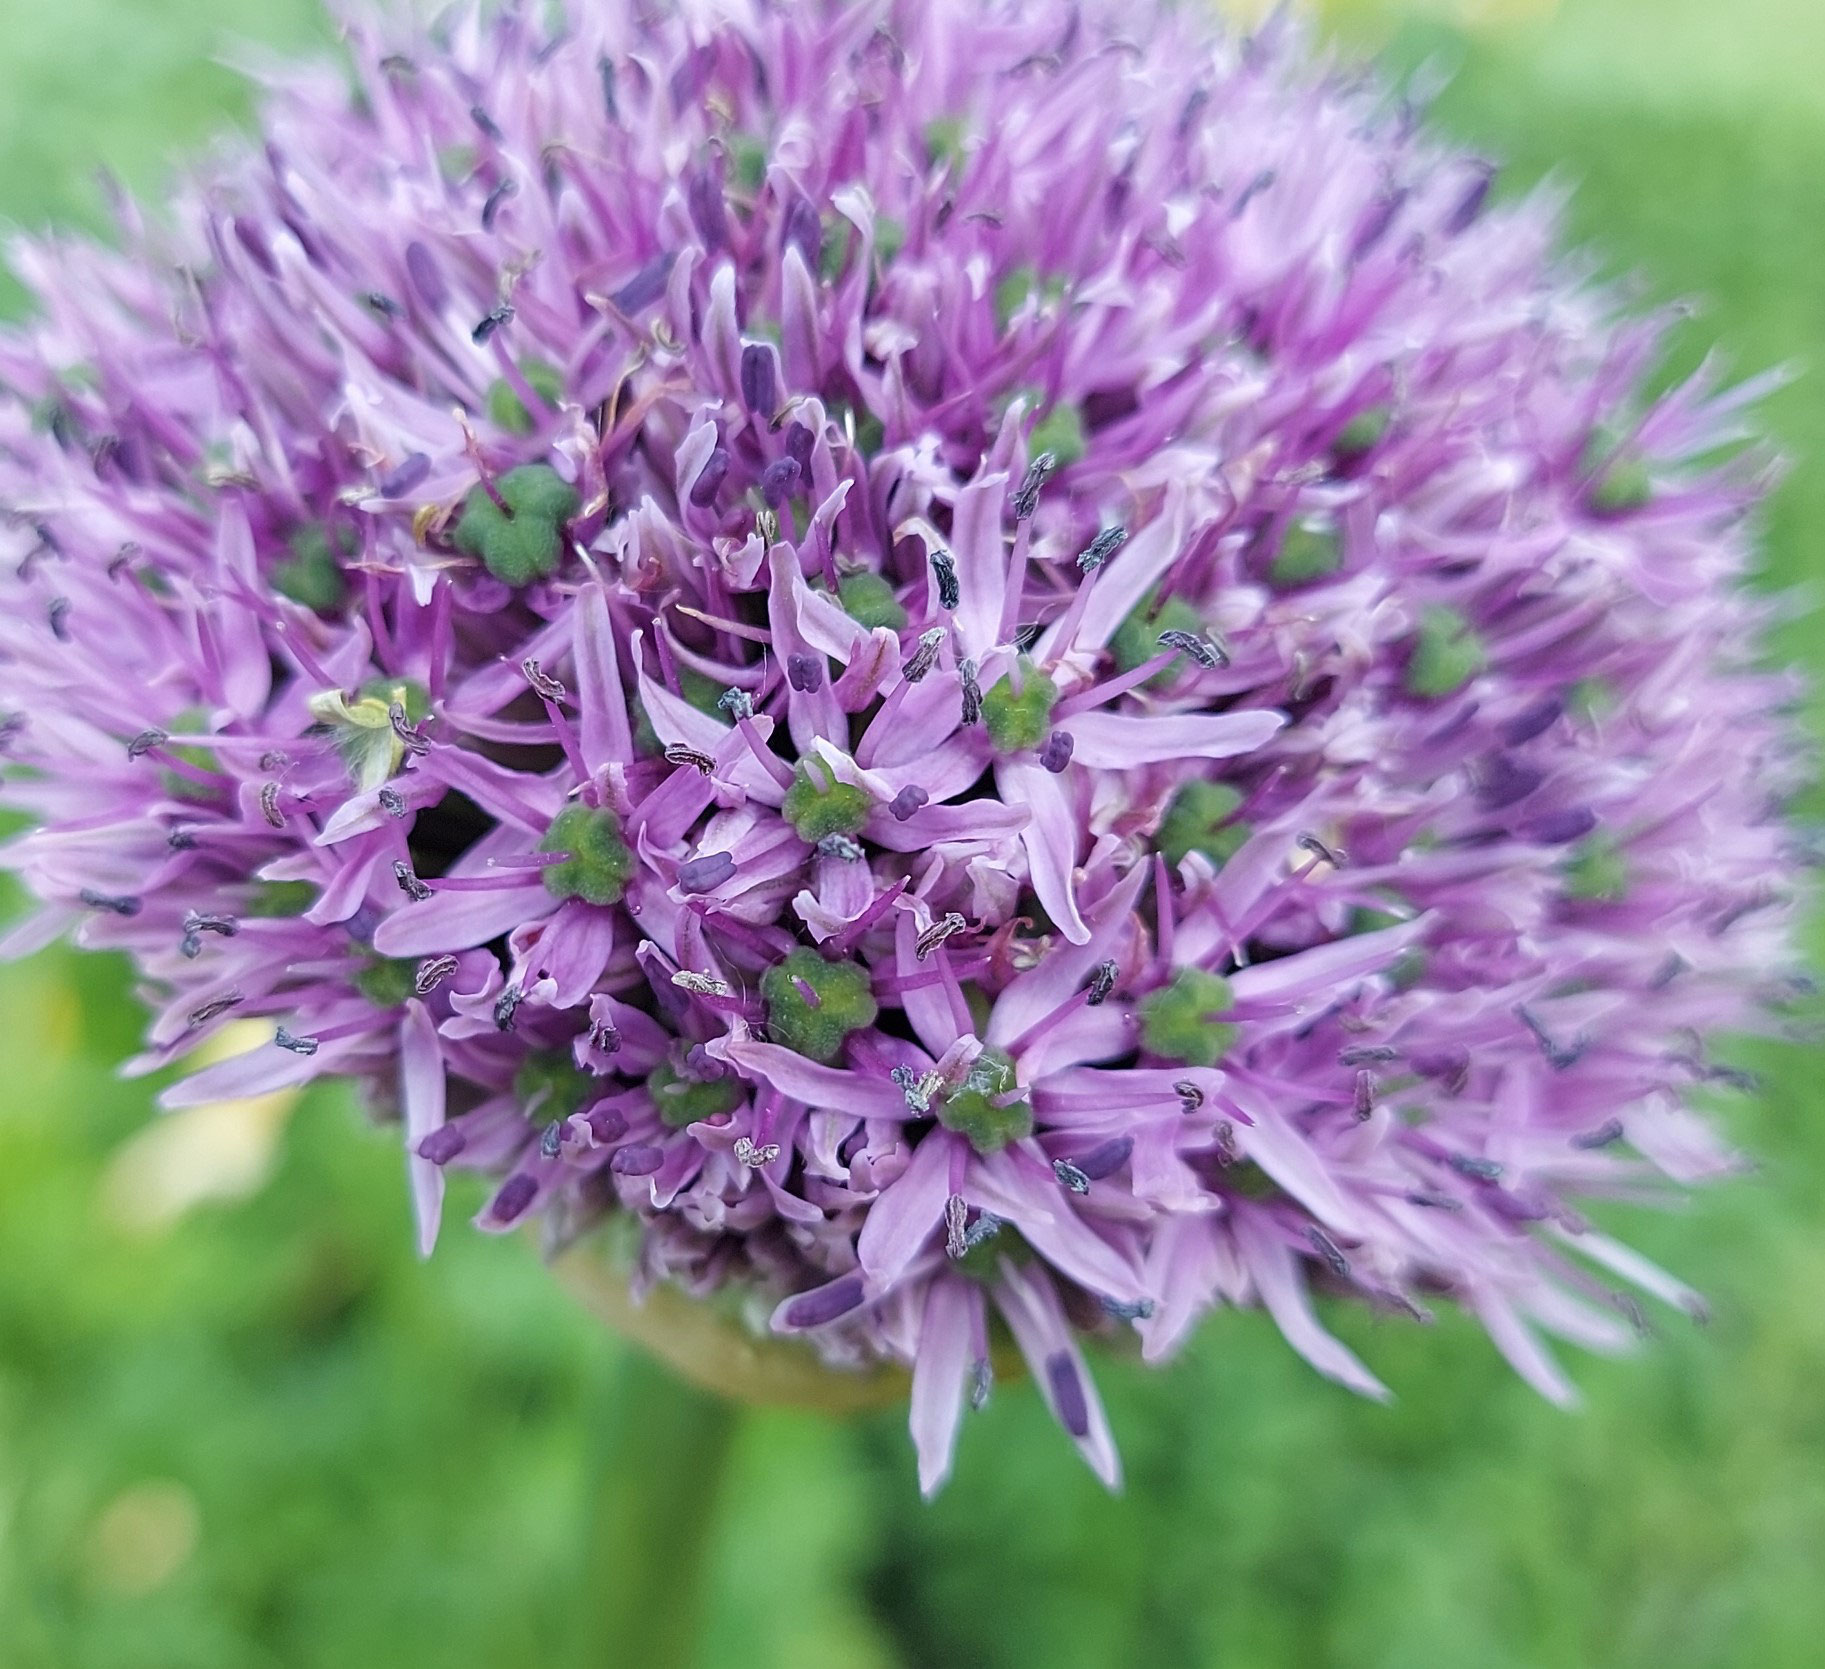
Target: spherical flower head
(970,666)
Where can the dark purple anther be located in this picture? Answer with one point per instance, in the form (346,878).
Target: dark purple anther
(710,478)
(421,268)
(1328,1249)
(606,1125)
(641,1159)
(1102,982)
(409,884)
(779,481)
(645,287)
(1528,723)
(485,122)
(112,903)
(1363,1103)
(1068,1393)
(516,1193)
(1470,205)
(432,972)
(906,802)
(972,692)
(490,322)
(59,616)
(1560,828)
(492,206)
(944,571)
(709,213)
(443,1144)
(294,1045)
(1105,1159)
(803,230)
(805,673)
(814,1309)
(1504,781)
(705,874)
(799,442)
(758,393)
(404,476)
(1026,496)
(1056,754)
(1101,548)
(1070,1177)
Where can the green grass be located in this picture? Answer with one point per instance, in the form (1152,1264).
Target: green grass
(382,1462)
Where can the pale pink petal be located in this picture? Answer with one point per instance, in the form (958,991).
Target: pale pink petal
(421,1094)
(1037,1320)
(908,1211)
(947,1331)
(456,920)
(1116,741)
(1050,839)
(1282,1290)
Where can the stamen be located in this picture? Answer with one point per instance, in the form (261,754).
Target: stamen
(269,805)
(490,322)
(409,884)
(492,204)
(604,1036)
(1056,755)
(1101,548)
(296,1045)
(1128,1309)
(432,972)
(1610,1130)
(120,905)
(737,703)
(1189,1094)
(1039,472)
(842,846)
(956,1219)
(805,673)
(551,1139)
(746,1153)
(1481,1170)
(1335,856)
(679,753)
(1102,982)
(1205,651)
(1433,1200)
(944,569)
(408,733)
(1374,1052)
(757,390)
(706,873)
(1328,1249)
(986,1226)
(547,687)
(925,657)
(944,927)
(216,1005)
(972,692)
(1070,1177)
(506,1007)
(701,985)
(146,741)
(1364,1104)
(59,613)
(909,800)
(982,1381)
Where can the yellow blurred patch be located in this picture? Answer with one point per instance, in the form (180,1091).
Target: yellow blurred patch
(143,1538)
(224,1150)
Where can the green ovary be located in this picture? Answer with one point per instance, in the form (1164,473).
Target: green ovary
(599,864)
(1179,1022)
(816,1028)
(988,1107)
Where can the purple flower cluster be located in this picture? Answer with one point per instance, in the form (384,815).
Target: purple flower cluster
(991,665)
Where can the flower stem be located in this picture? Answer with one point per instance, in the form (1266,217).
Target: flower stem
(656,1487)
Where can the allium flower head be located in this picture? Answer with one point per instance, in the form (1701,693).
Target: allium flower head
(979,666)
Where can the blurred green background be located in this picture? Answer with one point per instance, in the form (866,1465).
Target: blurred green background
(251,1429)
